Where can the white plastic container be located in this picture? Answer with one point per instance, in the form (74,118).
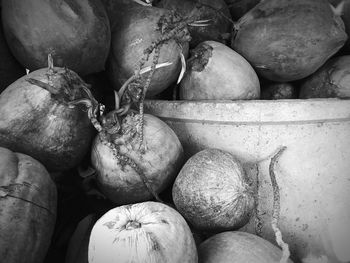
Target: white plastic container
(313,173)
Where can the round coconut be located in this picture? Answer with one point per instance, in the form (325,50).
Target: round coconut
(143,232)
(77,250)
(216,72)
(36,118)
(213,192)
(332,80)
(76,33)
(121,161)
(137,30)
(28,208)
(288,40)
(238,247)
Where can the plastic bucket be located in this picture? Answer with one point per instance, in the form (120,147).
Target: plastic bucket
(313,173)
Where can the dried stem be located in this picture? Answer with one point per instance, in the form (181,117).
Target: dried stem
(43,85)
(277,207)
(50,64)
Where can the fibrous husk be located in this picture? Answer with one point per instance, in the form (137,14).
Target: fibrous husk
(289,40)
(332,80)
(76,33)
(41,123)
(28,200)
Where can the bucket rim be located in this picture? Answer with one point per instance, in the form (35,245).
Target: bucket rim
(252,111)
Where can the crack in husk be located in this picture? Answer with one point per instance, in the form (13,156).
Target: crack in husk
(7,191)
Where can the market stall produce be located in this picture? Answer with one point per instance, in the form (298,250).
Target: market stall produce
(175,131)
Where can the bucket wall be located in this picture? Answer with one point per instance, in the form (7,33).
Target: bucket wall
(313,173)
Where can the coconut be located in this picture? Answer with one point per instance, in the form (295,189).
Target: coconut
(77,250)
(143,232)
(342,7)
(123,163)
(212,191)
(76,33)
(288,40)
(238,247)
(215,12)
(28,208)
(38,119)
(332,80)
(145,36)
(216,72)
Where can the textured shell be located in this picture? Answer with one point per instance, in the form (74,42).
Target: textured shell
(28,199)
(212,191)
(332,80)
(238,247)
(147,232)
(289,40)
(160,161)
(77,33)
(226,75)
(33,123)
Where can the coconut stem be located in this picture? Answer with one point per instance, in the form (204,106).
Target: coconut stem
(50,63)
(43,85)
(277,207)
